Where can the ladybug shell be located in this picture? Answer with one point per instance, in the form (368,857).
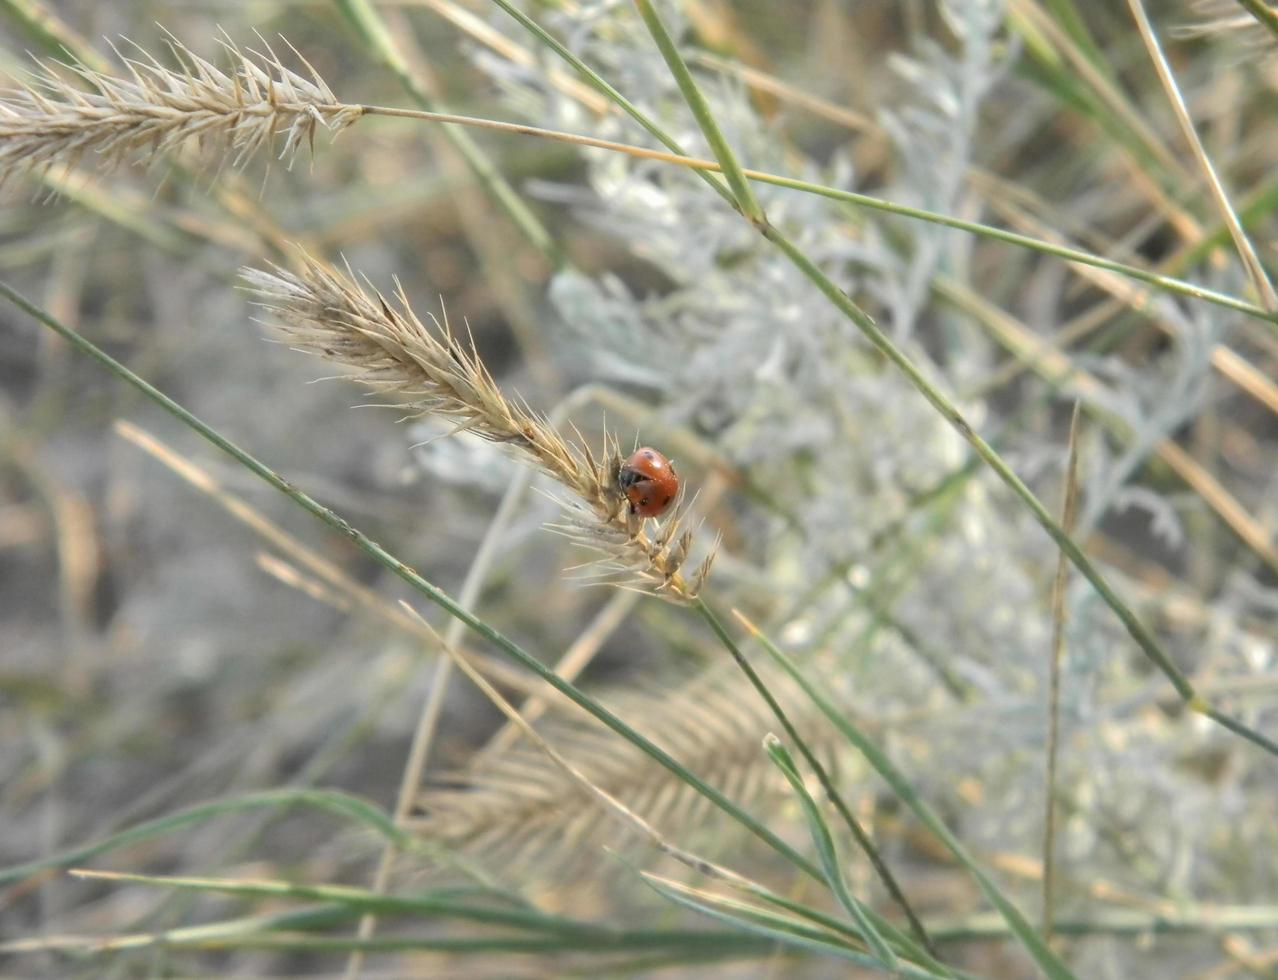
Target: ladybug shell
(649,482)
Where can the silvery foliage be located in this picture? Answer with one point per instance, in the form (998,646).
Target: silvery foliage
(933,129)
(1150,404)
(739,346)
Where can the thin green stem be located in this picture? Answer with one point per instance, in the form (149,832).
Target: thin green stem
(782,929)
(593,78)
(823,841)
(678,158)
(331,801)
(827,784)
(746,202)
(603,86)
(1263,13)
(876,757)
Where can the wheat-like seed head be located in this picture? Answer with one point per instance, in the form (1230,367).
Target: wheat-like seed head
(428,369)
(517,811)
(153,111)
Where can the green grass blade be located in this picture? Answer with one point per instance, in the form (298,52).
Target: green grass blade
(1067,17)
(1019,925)
(1163,282)
(823,840)
(790,932)
(443,904)
(462,946)
(294,920)
(1138,631)
(741,190)
(54,34)
(827,784)
(339,804)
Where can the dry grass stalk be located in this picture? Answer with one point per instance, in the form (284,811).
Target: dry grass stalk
(429,370)
(155,110)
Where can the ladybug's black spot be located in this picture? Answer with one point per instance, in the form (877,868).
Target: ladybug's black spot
(643,501)
(666,502)
(648,455)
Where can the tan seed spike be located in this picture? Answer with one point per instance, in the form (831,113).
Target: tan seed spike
(429,370)
(150,110)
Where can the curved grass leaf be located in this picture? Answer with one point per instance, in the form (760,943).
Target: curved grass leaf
(823,840)
(1047,960)
(339,804)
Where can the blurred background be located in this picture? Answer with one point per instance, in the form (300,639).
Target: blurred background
(159,649)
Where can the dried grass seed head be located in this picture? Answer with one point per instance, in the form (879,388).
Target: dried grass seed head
(154,110)
(428,369)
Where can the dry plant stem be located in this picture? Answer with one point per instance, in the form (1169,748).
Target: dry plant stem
(1135,628)
(1223,358)
(53,32)
(1139,632)
(496,671)
(575,659)
(76,547)
(1042,357)
(827,784)
(486,34)
(1123,111)
(1251,262)
(295,578)
(863,200)
(1068,514)
(428,720)
(306,557)
(1263,12)
(761,81)
(1080,327)
(382,43)
(476,213)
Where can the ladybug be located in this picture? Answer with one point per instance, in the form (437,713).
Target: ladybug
(649,482)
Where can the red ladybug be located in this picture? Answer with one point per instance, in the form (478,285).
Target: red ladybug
(649,482)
